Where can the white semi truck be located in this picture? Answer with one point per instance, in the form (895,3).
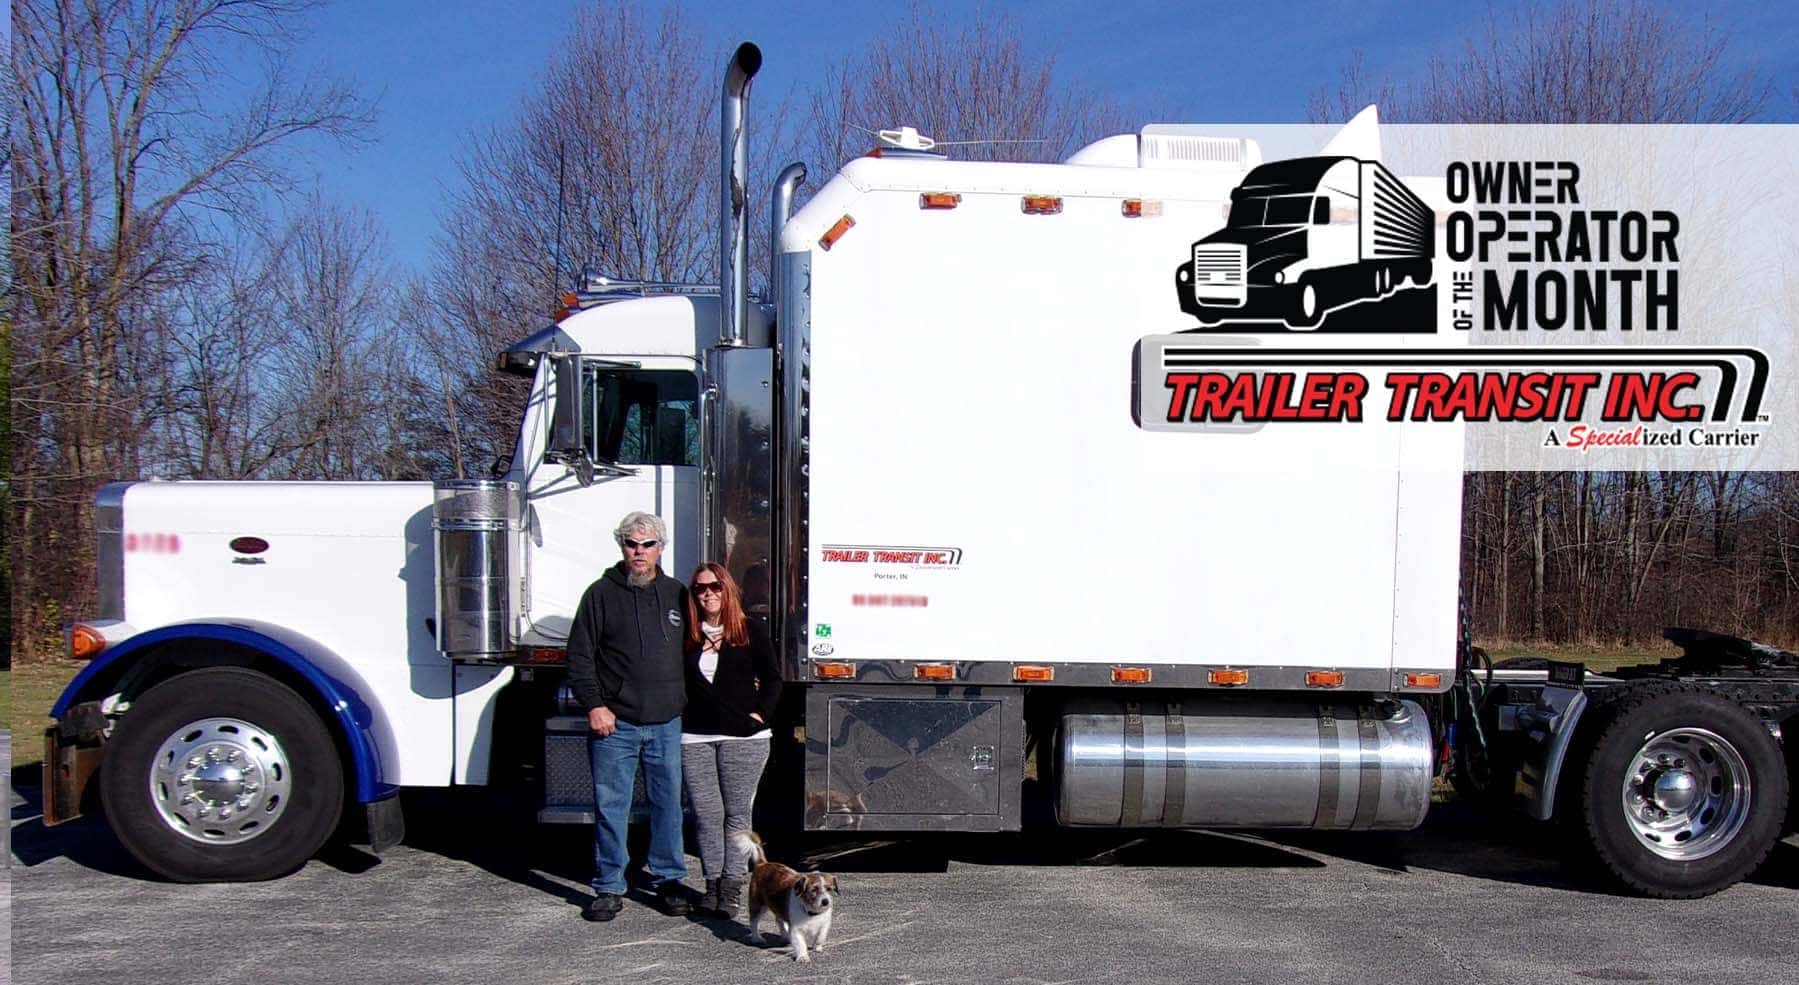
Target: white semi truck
(926,461)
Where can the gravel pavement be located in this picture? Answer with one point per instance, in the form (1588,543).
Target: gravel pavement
(473,897)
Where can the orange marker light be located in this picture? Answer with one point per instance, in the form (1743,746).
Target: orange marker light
(85,642)
(1427,681)
(1033,673)
(1228,678)
(1324,678)
(1130,675)
(934,672)
(835,233)
(1137,208)
(939,200)
(1041,204)
(546,655)
(834,670)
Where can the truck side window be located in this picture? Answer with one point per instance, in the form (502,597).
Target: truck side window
(641,417)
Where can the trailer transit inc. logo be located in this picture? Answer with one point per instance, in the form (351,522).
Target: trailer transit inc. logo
(1561,281)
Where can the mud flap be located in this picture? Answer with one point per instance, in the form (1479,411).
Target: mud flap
(386,824)
(68,766)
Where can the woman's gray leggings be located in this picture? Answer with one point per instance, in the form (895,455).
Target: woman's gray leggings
(721,779)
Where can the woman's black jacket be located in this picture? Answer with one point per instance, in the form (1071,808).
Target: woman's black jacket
(747,680)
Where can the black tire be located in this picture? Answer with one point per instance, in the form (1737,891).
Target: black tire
(1643,718)
(308,766)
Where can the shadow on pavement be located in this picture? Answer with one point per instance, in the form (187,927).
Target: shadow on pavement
(86,841)
(501,836)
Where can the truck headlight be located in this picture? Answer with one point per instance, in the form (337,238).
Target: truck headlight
(1280,276)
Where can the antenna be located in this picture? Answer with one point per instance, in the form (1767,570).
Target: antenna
(908,138)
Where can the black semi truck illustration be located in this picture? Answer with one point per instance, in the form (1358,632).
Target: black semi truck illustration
(1305,236)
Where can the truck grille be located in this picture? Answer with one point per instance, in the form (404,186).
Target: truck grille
(1224,264)
(1218,273)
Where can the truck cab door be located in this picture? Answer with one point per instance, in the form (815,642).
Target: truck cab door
(639,431)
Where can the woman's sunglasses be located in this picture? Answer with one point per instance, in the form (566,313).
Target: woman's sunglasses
(705,587)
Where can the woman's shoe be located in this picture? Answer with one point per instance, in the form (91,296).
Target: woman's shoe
(730,897)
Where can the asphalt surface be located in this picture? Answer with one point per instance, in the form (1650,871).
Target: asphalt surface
(472,897)
(6,871)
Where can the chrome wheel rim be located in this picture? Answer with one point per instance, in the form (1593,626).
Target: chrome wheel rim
(1686,793)
(221,781)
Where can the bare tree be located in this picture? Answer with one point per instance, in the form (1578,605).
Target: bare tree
(8,103)
(612,163)
(1567,61)
(1670,547)
(331,291)
(975,82)
(124,152)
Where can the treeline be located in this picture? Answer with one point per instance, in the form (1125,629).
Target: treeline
(183,308)
(182,305)
(1613,557)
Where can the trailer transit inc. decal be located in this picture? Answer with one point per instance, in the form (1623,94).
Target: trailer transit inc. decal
(1535,298)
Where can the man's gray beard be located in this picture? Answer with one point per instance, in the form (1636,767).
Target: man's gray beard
(636,580)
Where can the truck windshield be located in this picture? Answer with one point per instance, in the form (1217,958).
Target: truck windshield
(641,417)
(1271,210)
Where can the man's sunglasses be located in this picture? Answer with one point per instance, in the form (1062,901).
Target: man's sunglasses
(707,587)
(640,545)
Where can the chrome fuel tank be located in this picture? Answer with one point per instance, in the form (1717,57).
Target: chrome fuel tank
(1243,764)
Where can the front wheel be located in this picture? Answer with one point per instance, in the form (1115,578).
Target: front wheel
(1307,310)
(221,775)
(1685,793)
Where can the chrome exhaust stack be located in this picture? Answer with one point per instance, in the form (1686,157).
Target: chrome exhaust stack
(733,233)
(780,207)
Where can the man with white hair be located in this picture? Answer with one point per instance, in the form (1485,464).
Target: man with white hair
(626,668)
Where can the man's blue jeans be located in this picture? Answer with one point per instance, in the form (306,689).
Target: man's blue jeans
(615,759)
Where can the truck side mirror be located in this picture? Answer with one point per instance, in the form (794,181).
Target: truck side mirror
(566,416)
(1321,210)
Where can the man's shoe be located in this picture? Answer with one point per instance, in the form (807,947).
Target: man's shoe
(709,899)
(674,897)
(603,907)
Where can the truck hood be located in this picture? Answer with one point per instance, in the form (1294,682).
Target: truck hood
(1263,240)
(358,550)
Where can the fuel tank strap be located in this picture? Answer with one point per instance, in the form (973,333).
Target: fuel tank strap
(1368,795)
(1174,789)
(1132,814)
(1329,769)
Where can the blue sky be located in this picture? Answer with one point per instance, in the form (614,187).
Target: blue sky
(444,67)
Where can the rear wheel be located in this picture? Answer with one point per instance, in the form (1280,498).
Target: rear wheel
(221,774)
(1685,792)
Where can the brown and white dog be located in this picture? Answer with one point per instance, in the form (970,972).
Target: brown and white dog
(801,902)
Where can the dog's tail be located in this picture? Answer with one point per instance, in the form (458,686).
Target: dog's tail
(750,844)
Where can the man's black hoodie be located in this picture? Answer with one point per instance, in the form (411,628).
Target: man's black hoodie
(624,649)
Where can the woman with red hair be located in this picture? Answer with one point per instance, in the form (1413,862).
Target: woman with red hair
(732,686)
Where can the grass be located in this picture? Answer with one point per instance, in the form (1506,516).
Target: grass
(1597,658)
(31,689)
